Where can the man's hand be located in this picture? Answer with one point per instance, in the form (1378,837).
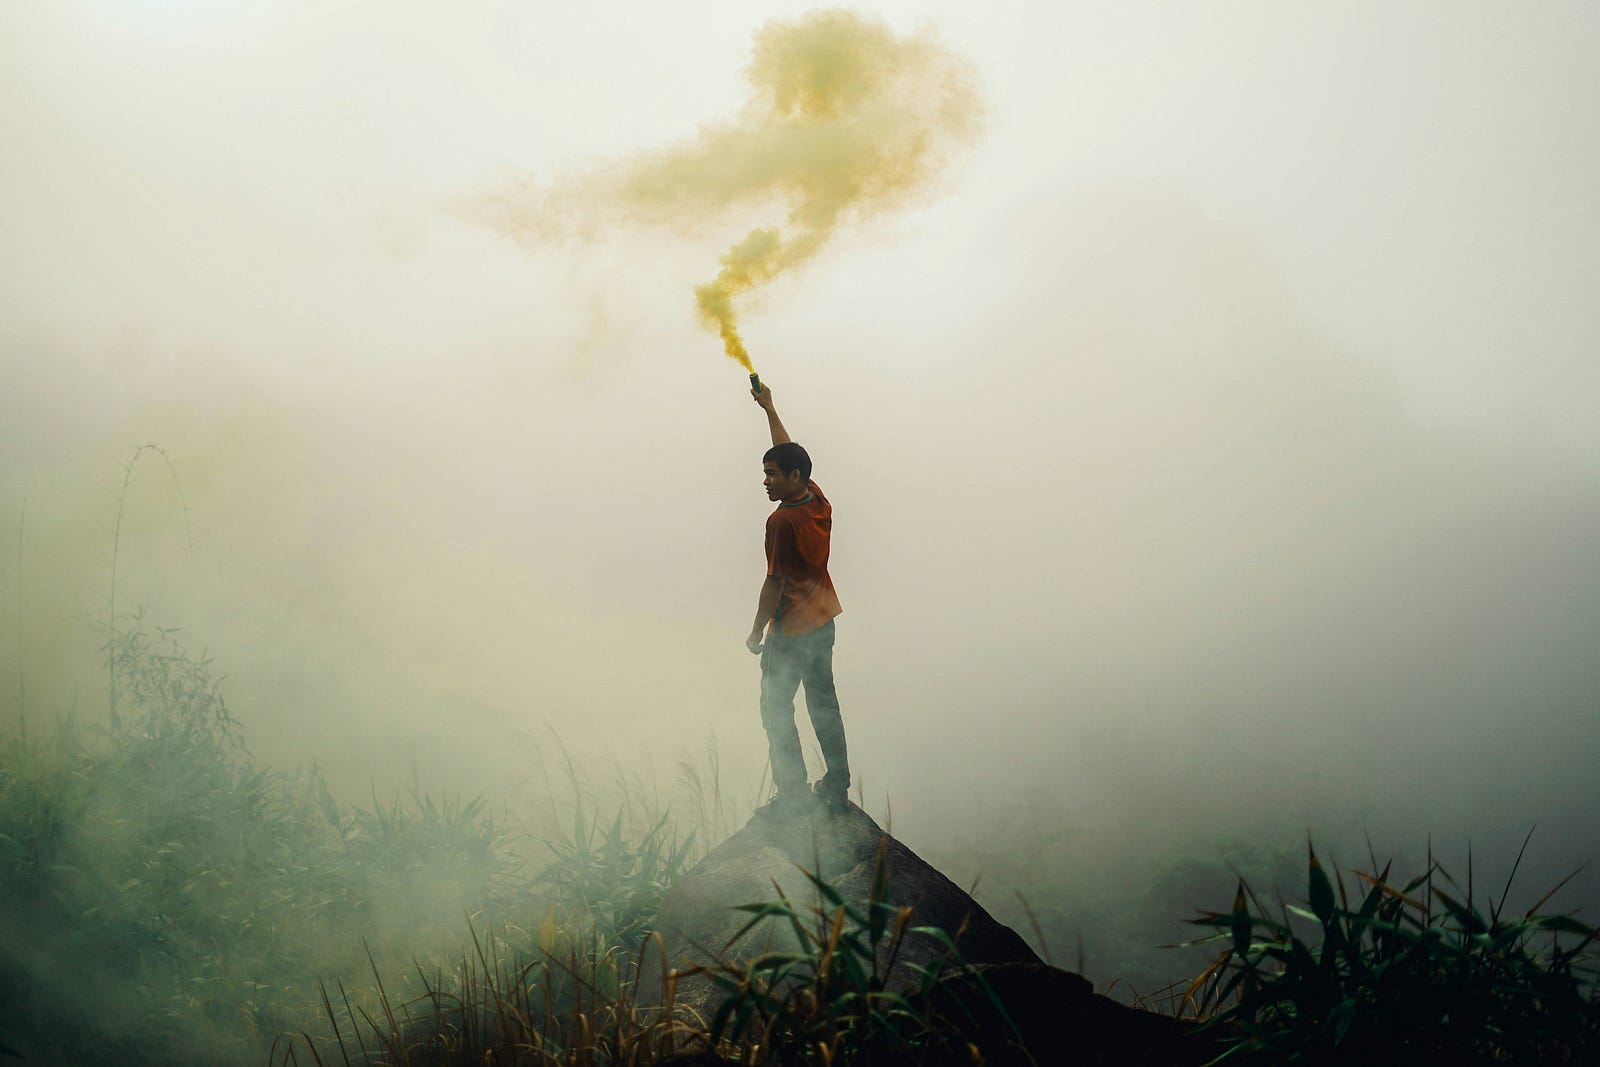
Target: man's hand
(766,609)
(762,396)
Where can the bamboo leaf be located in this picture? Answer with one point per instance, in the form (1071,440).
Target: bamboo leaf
(1239,923)
(1321,890)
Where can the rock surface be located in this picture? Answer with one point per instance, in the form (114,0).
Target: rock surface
(698,919)
(1060,1020)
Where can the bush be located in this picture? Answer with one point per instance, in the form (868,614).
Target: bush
(830,1001)
(164,899)
(1409,974)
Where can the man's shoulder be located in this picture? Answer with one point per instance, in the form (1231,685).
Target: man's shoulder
(800,511)
(822,507)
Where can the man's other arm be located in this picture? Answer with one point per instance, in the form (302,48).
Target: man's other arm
(763,396)
(766,608)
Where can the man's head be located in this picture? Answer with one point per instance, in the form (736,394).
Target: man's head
(787,468)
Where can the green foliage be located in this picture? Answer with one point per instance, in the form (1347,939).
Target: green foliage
(1416,973)
(831,1001)
(609,886)
(500,1004)
(164,899)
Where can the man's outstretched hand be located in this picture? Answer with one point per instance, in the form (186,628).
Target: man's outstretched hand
(762,396)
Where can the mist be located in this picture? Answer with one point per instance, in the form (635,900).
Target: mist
(1212,448)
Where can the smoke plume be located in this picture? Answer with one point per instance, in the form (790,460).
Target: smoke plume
(844,120)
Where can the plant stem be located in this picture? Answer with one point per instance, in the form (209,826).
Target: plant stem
(116,543)
(22,690)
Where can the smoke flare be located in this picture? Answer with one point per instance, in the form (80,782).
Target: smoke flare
(844,120)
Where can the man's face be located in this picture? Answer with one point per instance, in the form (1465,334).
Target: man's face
(779,485)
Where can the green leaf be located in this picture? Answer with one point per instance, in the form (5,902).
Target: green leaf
(1465,914)
(1239,923)
(850,964)
(1566,924)
(829,893)
(1321,890)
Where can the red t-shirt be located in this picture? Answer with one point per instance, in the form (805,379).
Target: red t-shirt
(797,552)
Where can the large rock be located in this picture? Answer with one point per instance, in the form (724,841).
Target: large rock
(1055,1017)
(699,919)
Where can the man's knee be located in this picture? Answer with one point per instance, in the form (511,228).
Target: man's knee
(777,696)
(819,681)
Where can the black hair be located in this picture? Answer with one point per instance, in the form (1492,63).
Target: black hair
(789,457)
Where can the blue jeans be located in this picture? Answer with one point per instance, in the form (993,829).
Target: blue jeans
(786,663)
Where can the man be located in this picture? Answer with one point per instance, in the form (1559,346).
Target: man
(798,602)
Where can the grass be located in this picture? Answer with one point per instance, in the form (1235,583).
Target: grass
(1417,972)
(579,1003)
(503,1003)
(114,675)
(831,1000)
(150,868)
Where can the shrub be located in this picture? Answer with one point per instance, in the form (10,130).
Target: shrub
(1414,974)
(164,899)
(831,1001)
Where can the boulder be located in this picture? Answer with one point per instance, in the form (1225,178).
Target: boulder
(1055,1017)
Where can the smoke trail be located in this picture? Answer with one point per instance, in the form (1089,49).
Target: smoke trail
(844,120)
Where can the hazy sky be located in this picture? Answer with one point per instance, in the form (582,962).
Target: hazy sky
(1212,446)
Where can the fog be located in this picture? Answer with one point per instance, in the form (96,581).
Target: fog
(1212,446)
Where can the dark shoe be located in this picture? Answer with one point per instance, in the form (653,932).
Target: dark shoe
(834,799)
(785,806)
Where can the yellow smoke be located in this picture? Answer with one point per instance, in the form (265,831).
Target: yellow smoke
(748,264)
(844,119)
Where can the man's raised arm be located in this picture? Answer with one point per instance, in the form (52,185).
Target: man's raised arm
(763,396)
